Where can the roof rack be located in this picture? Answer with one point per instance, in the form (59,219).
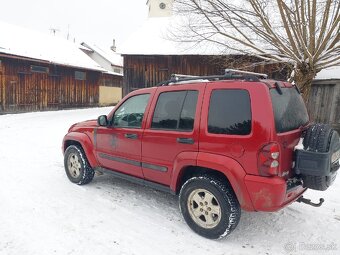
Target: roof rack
(230,74)
(235,71)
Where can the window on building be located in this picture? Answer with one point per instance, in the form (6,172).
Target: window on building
(111,82)
(229,112)
(175,111)
(117,70)
(162,6)
(106,82)
(39,69)
(78,75)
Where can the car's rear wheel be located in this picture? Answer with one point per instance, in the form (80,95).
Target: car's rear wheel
(209,206)
(77,168)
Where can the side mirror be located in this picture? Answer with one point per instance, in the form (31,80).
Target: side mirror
(102,120)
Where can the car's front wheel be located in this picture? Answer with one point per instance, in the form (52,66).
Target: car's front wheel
(77,168)
(209,206)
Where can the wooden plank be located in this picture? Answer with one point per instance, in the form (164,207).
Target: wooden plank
(2,98)
(335,114)
(324,103)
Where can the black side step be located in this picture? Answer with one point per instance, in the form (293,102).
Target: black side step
(136,180)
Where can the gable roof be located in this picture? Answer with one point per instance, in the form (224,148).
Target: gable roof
(23,42)
(113,57)
(154,37)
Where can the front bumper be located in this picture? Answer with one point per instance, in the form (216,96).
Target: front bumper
(271,193)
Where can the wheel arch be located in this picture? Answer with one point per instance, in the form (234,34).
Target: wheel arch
(222,167)
(82,140)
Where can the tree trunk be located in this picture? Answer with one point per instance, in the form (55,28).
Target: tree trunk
(304,76)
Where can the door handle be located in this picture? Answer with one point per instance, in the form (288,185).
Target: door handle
(131,136)
(185,140)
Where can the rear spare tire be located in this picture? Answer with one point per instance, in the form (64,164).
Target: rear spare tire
(323,141)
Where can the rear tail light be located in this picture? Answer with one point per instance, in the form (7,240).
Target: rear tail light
(268,160)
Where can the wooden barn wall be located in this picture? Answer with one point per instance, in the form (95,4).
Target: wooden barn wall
(22,90)
(1,83)
(146,71)
(109,80)
(324,103)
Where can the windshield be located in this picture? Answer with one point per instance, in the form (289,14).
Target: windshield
(289,109)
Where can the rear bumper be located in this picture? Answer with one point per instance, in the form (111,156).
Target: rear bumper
(271,194)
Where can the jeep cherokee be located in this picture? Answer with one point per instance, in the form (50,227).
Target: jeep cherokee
(222,143)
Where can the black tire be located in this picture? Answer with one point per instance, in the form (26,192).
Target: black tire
(79,170)
(223,198)
(317,138)
(318,182)
(320,138)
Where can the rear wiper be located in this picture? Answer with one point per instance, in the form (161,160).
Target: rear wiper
(297,89)
(304,126)
(278,88)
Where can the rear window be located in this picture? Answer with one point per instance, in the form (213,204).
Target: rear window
(229,112)
(289,109)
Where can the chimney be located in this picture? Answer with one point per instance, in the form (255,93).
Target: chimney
(113,47)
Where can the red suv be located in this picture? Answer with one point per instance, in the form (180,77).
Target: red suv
(222,143)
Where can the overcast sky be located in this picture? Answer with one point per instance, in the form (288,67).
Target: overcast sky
(86,20)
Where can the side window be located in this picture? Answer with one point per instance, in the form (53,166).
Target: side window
(229,112)
(175,111)
(131,112)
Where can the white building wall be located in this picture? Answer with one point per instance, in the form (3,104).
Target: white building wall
(160,8)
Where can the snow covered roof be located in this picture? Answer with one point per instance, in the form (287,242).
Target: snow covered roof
(153,37)
(113,57)
(27,43)
(331,73)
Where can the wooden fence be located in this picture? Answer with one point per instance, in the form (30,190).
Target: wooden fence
(324,102)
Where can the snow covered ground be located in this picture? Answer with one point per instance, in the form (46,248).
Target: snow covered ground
(42,212)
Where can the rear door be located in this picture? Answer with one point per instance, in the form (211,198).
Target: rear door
(172,129)
(229,126)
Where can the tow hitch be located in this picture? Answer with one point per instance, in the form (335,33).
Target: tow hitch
(308,201)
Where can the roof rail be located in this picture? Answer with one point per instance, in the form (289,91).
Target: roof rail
(236,71)
(230,74)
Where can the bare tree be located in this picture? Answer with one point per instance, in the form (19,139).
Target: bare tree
(302,33)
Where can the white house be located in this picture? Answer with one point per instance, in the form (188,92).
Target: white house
(110,90)
(160,8)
